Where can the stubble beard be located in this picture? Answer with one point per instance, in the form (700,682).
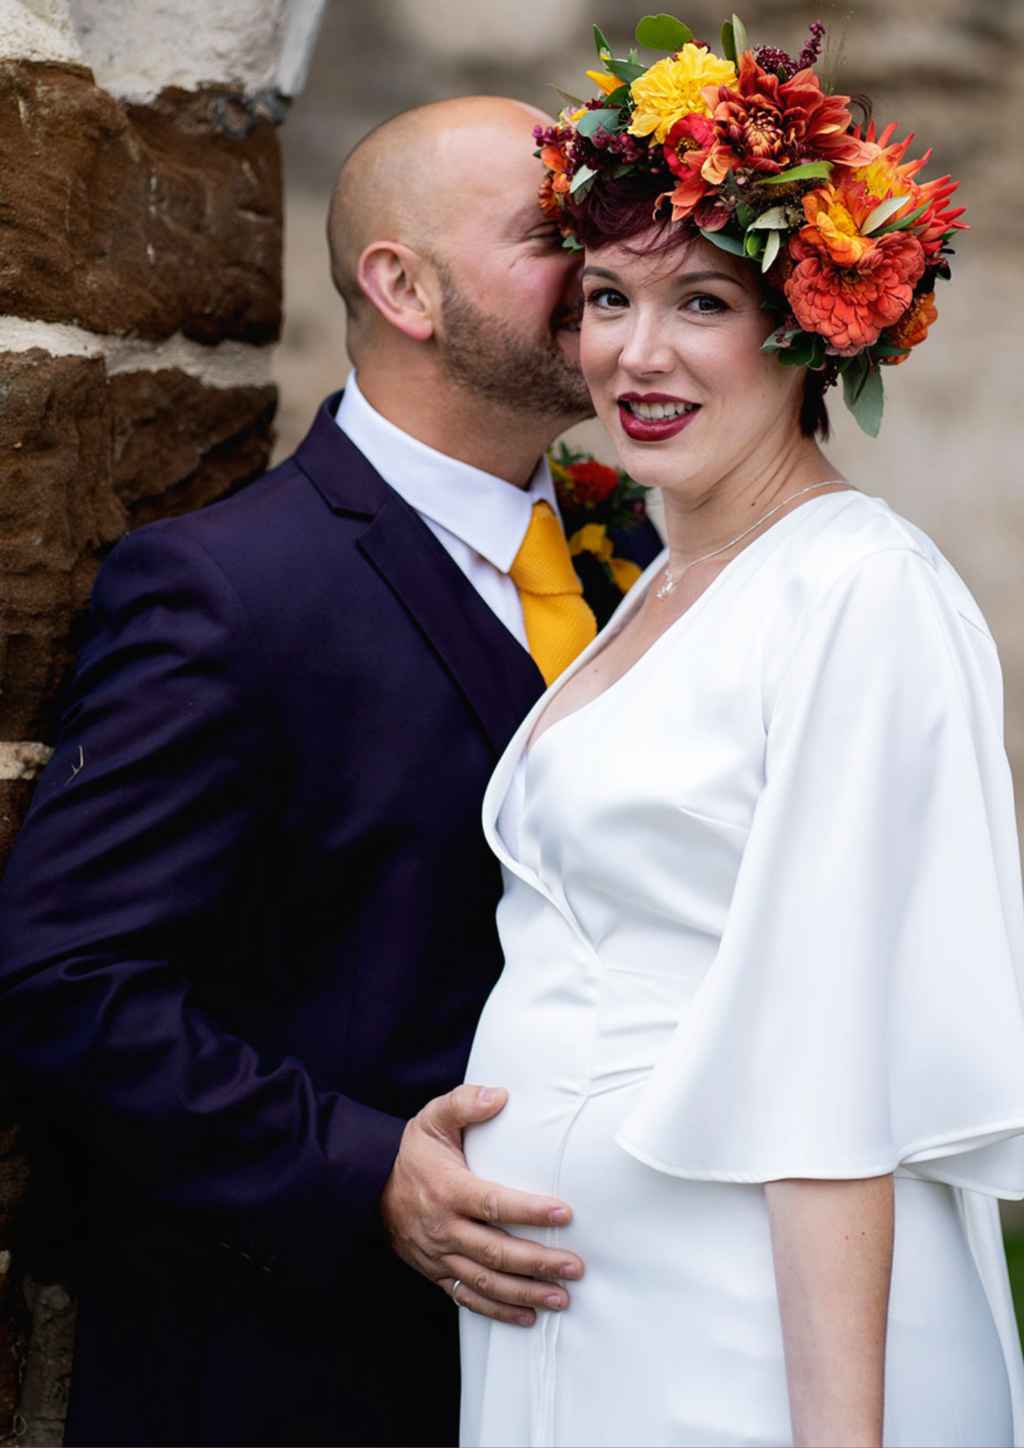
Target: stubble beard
(486,357)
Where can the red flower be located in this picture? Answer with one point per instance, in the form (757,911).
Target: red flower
(592,482)
(686,148)
(765,125)
(687,144)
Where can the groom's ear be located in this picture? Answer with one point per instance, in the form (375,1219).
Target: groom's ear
(402,285)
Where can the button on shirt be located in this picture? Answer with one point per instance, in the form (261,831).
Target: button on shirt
(479,519)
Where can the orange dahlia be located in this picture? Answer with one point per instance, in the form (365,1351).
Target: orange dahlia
(765,125)
(912,327)
(846,286)
(889,175)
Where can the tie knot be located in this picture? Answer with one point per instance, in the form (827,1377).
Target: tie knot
(543,565)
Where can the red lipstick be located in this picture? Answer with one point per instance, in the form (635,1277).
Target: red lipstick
(642,429)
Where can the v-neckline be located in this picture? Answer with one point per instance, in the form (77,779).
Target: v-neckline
(606,635)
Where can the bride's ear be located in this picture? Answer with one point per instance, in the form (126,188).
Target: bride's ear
(402,285)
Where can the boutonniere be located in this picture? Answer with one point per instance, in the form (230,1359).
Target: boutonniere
(595,501)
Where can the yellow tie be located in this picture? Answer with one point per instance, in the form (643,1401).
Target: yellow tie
(559,625)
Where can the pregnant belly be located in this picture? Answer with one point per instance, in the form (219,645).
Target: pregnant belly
(559,1029)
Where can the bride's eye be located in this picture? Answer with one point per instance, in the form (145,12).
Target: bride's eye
(605,298)
(705,304)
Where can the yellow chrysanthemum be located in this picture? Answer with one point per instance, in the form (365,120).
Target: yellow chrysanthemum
(672,88)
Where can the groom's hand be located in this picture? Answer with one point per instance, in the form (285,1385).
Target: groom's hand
(448,1224)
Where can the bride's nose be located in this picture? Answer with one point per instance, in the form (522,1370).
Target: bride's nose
(647,349)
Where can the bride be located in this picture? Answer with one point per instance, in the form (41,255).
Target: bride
(760,1021)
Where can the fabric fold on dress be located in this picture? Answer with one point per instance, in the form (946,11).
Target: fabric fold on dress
(887,801)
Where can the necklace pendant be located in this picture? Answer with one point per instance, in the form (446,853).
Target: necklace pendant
(667,587)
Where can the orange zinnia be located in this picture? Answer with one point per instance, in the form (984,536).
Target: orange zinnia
(847,286)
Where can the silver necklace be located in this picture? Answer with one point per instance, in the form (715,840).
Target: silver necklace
(671,579)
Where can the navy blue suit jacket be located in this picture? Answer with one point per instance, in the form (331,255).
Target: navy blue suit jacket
(246,932)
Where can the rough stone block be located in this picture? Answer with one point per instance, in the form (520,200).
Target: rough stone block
(58,511)
(145,220)
(89,458)
(178,444)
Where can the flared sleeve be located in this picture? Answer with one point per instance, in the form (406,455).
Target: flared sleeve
(864,1010)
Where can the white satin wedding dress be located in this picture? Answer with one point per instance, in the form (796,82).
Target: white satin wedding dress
(762,919)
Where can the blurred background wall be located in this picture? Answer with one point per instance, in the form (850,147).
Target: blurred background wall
(951,451)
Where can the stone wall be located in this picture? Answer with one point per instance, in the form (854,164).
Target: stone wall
(140,297)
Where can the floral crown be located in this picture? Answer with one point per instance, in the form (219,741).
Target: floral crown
(756,155)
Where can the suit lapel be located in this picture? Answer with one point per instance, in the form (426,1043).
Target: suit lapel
(493,670)
(499,679)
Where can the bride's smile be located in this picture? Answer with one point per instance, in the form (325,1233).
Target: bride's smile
(670,350)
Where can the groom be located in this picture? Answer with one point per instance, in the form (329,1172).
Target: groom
(248,927)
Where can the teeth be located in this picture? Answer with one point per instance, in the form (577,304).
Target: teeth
(658,411)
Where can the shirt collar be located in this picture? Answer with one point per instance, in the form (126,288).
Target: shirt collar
(485,512)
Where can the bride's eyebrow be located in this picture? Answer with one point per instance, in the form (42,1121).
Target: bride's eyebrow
(687,279)
(683,279)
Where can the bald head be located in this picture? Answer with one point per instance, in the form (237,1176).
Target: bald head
(413,176)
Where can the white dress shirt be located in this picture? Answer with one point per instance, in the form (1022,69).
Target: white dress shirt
(481,520)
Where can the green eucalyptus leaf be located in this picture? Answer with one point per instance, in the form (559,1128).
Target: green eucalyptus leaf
(723,242)
(618,97)
(584,175)
(772,220)
(864,395)
(739,36)
(663,32)
(591,123)
(798,173)
(570,100)
(905,221)
(745,215)
(775,343)
(600,43)
(753,244)
(728,42)
(886,350)
(881,213)
(624,70)
(771,249)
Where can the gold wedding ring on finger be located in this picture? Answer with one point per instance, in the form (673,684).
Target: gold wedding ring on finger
(455,1287)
